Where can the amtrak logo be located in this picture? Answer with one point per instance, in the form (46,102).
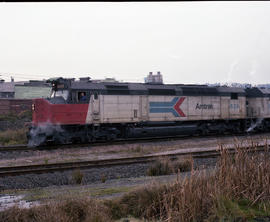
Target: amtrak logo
(168,107)
(204,106)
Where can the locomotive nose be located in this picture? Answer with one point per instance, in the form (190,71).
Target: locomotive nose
(41,111)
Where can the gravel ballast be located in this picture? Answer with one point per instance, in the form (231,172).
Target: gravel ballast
(94,175)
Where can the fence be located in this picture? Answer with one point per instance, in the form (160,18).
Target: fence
(14,106)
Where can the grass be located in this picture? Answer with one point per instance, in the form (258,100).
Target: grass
(16,134)
(242,209)
(166,166)
(77,176)
(46,160)
(103,178)
(43,194)
(12,137)
(35,195)
(109,191)
(136,149)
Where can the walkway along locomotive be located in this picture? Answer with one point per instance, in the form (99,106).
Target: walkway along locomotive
(86,111)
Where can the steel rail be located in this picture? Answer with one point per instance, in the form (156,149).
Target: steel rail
(11,148)
(54,167)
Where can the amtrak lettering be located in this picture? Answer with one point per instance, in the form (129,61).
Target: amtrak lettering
(204,106)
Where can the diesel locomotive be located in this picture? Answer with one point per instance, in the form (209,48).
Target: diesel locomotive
(85,111)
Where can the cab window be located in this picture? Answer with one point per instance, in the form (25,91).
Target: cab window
(234,96)
(82,97)
(95,96)
(60,93)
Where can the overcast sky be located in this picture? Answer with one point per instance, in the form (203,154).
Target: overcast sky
(188,42)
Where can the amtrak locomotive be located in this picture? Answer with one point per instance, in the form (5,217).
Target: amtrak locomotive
(86,111)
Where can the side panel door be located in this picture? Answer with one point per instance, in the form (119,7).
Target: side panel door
(144,107)
(225,103)
(95,105)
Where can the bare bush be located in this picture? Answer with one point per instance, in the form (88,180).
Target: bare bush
(11,137)
(166,166)
(73,210)
(77,176)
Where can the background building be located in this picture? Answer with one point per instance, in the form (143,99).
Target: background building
(154,78)
(6,89)
(32,89)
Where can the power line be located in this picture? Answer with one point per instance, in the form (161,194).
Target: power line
(38,75)
(26,76)
(20,77)
(21,74)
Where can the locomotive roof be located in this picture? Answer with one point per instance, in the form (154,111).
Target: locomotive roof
(153,89)
(230,89)
(258,92)
(265,91)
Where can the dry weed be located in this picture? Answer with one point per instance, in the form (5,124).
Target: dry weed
(73,210)
(203,195)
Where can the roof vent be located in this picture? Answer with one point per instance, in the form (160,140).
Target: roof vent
(85,79)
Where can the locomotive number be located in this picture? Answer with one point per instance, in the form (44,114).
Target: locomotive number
(234,106)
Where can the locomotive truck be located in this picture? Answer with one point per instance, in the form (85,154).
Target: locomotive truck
(117,110)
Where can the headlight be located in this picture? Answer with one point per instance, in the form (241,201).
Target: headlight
(33,107)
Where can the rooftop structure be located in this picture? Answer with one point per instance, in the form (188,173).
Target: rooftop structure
(156,79)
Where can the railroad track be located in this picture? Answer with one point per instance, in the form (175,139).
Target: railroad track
(47,168)
(24,147)
(21,147)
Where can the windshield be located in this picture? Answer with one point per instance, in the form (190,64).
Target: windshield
(63,93)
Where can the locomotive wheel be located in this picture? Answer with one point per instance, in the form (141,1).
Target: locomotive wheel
(236,128)
(204,131)
(221,130)
(92,139)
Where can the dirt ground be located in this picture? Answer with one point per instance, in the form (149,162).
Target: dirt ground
(108,189)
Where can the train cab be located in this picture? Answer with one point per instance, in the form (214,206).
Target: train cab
(62,107)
